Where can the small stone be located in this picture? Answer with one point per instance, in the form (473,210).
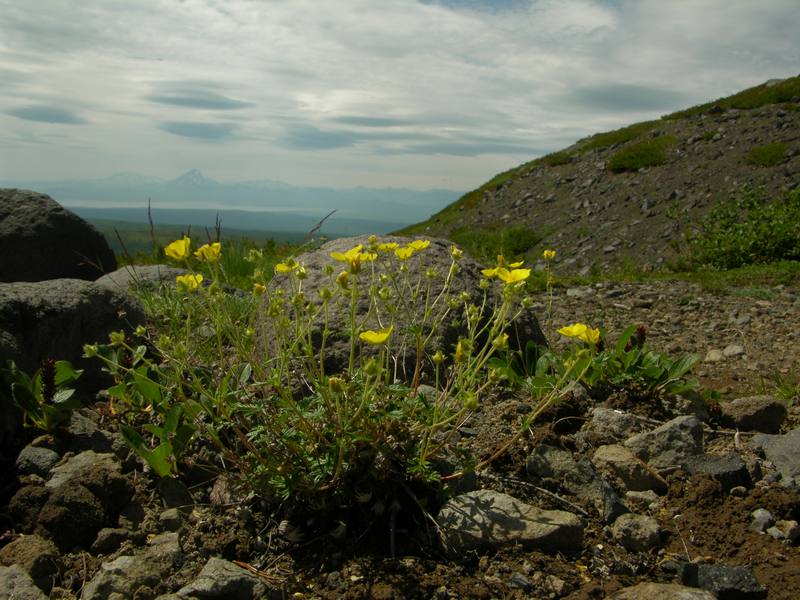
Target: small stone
(170,519)
(39,557)
(16,584)
(33,460)
(713,356)
(641,501)
(738,491)
(636,533)
(732,350)
(789,530)
(670,444)
(754,413)
(724,581)
(762,519)
(661,591)
(728,469)
(109,539)
(222,579)
(520,582)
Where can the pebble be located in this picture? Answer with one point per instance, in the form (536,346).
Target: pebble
(762,519)
(714,355)
(732,350)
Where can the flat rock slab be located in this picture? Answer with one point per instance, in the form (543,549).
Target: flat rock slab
(484,520)
(80,466)
(144,276)
(661,591)
(725,581)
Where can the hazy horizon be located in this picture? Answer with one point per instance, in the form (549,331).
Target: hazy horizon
(429,94)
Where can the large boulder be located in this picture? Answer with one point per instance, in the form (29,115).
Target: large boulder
(429,267)
(140,276)
(43,240)
(56,318)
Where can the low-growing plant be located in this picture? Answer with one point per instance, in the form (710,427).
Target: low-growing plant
(747,230)
(648,153)
(45,401)
(768,155)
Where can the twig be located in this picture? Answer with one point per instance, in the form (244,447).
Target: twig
(318,225)
(541,490)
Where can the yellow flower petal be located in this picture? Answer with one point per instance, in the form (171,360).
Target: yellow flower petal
(189,282)
(179,249)
(513,276)
(549,254)
(582,332)
(419,244)
(404,253)
(209,252)
(259,289)
(286,267)
(376,338)
(388,246)
(490,272)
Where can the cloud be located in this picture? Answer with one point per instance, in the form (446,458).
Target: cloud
(624,97)
(47,114)
(193,95)
(372,121)
(212,132)
(308,137)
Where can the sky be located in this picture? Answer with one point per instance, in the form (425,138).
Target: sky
(398,93)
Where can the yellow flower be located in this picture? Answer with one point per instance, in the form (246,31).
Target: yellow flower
(376,338)
(343,279)
(460,353)
(513,276)
(373,239)
(404,253)
(388,246)
(490,272)
(549,254)
(500,342)
(259,289)
(354,257)
(417,245)
(189,282)
(286,267)
(582,332)
(456,252)
(179,249)
(501,262)
(209,252)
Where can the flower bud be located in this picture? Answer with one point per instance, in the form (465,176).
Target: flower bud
(343,279)
(117,337)
(456,252)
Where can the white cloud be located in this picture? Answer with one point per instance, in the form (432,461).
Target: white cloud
(396,92)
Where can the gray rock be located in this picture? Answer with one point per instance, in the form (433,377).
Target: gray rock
(578,477)
(619,465)
(140,276)
(436,258)
(785,530)
(613,425)
(661,591)
(85,435)
(762,519)
(485,519)
(170,519)
(80,466)
(636,533)
(724,581)
(109,539)
(713,355)
(39,557)
(641,501)
(25,505)
(126,575)
(728,469)
(670,444)
(783,451)
(48,241)
(733,350)
(34,460)
(16,584)
(224,580)
(754,413)
(56,318)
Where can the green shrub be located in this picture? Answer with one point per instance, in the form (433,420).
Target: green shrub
(649,153)
(556,159)
(748,230)
(618,136)
(768,155)
(486,244)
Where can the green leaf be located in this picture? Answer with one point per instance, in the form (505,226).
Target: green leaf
(27,402)
(150,391)
(623,339)
(683,365)
(65,373)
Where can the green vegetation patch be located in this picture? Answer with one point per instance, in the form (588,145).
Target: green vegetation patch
(486,244)
(755,97)
(749,230)
(556,159)
(618,136)
(649,153)
(768,155)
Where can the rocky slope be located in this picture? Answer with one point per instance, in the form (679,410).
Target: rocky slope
(601,216)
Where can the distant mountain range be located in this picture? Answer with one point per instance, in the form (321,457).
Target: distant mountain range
(195,199)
